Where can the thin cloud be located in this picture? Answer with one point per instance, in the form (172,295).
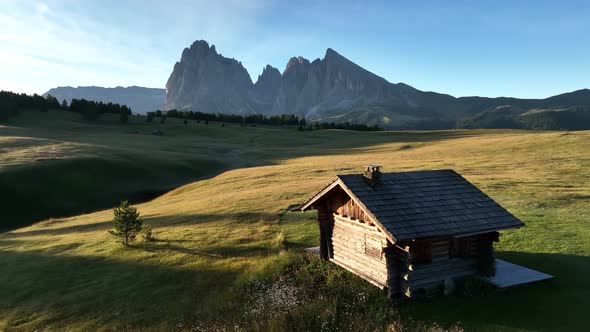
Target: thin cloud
(81,47)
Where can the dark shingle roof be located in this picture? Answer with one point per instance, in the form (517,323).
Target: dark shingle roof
(429,203)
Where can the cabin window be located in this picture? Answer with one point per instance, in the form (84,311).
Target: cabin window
(422,252)
(460,247)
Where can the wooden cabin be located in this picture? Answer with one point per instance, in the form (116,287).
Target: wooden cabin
(409,232)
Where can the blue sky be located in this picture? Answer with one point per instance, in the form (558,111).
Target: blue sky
(489,48)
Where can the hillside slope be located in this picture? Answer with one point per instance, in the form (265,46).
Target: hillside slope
(226,250)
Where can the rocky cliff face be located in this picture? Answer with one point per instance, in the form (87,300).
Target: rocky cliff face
(204,80)
(263,95)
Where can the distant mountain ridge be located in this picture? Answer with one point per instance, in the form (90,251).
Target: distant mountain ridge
(139,99)
(334,89)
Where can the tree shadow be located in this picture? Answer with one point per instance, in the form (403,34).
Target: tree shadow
(246,251)
(169,220)
(203,218)
(557,304)
(60,230)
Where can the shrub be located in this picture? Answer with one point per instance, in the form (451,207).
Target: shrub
(123,117)
(8,108)
(148,235)
(126,223)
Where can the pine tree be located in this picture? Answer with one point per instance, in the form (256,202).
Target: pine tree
(124,116)
(126,223)
(64,105)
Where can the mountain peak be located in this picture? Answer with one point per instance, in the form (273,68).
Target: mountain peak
(199,48)
(201,44)
(295,61)
(330,52)
(208,81)
(333,56)
(269,68)
(269,72)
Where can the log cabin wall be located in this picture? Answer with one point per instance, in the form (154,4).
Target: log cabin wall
(449,258)
(398,260)
(358,247)
(348,208)
(325,222)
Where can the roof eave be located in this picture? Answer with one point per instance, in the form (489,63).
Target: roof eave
(307,205)
(384,229)
(496,229)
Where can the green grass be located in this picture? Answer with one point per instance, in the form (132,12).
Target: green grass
(227,246)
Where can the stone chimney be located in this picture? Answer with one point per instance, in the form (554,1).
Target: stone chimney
(372,174)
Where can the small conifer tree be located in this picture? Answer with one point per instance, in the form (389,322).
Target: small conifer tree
(123,116)
(126,223)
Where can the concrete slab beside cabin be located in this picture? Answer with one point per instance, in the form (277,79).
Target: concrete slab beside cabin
(313,250)
(508,275)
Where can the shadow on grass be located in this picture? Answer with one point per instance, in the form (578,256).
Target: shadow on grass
(203,218)
(558,304)
(171,220)
(60,230)
(212,252)
(37,289)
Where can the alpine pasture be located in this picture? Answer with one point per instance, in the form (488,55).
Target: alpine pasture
(228,251)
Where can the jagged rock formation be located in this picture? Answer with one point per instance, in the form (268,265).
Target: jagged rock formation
(206,81)
(329,89)
(139,99)
(264,92)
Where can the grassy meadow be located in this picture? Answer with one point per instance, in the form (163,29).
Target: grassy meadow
(228,253)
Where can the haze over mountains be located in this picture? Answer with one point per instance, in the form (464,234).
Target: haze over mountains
(332,89)
(140,99)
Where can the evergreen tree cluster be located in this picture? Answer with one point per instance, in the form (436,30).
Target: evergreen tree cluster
(91,110)
(11,103)
(272,120)
(344,125)
(574,118)
(276,120)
